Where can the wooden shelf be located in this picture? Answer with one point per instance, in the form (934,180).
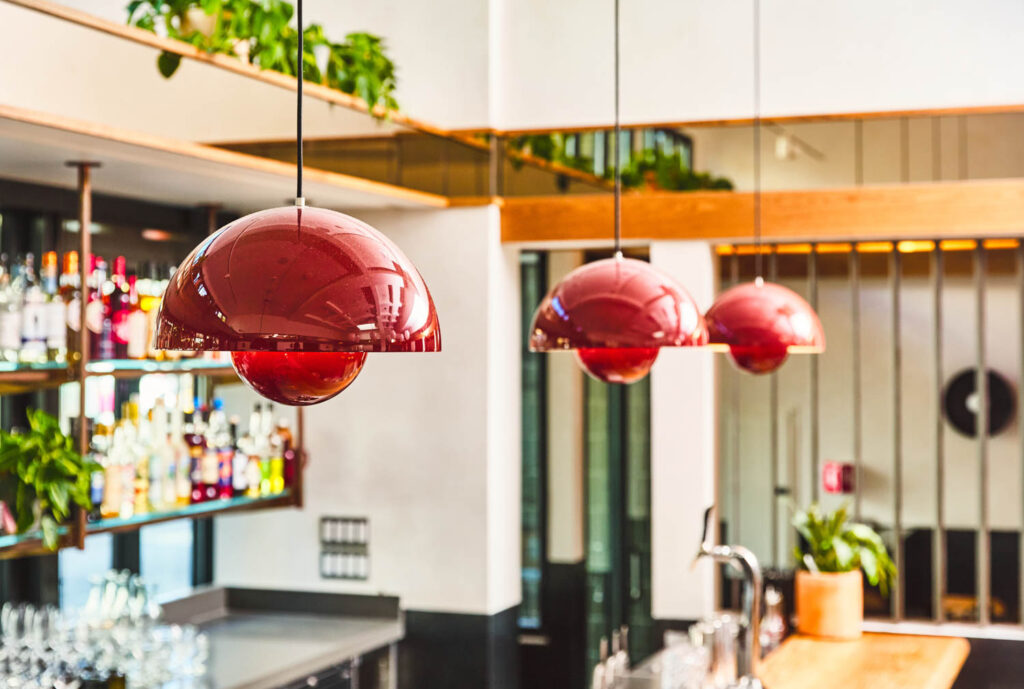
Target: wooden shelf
(34,147)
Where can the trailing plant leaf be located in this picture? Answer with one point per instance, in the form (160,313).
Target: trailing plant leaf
(42,477)
(168,64)
(836,545)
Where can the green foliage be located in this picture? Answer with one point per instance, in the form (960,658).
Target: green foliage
(650,167)
(837,545)
(654,168)
(42,475)
(260,31)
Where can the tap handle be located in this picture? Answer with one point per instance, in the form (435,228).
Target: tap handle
(708,535)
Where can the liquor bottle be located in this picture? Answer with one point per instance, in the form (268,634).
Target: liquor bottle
(33,313)
(112,474)
(97,314)
(71,295)
(119,305)
(226,456)
(150,298)
(10,313)
(182,460)
(239,461)
(135,322)
(210,468)
(136,461)
(161,469)
(284,431)
(56,318)
(99,447)
(261,445)
(196,441)
(253,469)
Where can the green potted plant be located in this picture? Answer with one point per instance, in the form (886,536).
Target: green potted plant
(42,476)
(833,560)
(260,32)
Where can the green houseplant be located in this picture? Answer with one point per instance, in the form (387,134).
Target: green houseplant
(830,585)
(42,476)
(260,32)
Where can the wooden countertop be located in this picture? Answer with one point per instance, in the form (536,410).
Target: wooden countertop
(875,661)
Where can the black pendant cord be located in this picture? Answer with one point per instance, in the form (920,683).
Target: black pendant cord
(618,142)
(758,257)
(299,201)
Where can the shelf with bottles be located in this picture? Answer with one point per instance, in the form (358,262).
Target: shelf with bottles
(175,460)
(39,323)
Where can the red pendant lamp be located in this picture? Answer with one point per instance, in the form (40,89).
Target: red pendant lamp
(618,312)
(299,296)
(761,323)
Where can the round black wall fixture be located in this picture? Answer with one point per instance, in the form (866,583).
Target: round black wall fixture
(960,403)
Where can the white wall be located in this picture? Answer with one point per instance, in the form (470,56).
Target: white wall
(425,445)
(565,438)
(536,63)
(683,410)
(691,59)
(440,49)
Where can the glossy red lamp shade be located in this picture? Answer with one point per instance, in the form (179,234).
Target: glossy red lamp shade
(761,323)
(617,313)
(312,284)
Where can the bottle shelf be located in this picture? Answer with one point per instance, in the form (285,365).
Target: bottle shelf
(28,544)
(199,509)
(136,368)
(19,377)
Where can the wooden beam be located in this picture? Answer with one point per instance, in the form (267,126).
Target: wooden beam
(747,121)
(980,208)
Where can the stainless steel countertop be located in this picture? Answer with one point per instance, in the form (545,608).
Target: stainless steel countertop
(266,650)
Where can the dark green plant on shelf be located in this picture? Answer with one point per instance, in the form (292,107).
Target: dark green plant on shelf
(649,168)
(42,476)
(657,170)
(831,543)
(260,32)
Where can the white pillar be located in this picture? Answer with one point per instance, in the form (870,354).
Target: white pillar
(682,448)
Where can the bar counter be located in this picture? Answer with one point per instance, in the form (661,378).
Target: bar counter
(875,661)
(272,639)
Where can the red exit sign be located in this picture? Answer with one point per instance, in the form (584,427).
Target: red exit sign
(837,477)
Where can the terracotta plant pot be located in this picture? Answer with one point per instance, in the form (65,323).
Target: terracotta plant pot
(830,604)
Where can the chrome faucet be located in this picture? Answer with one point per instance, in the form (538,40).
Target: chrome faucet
(742,559)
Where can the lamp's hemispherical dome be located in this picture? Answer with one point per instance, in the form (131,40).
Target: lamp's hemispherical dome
(762,323)
(617,313)
(298,378)
(298,279)
(618,365)
(618,303)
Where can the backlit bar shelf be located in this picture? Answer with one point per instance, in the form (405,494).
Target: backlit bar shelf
(19,377)
(27,544)
(196,510)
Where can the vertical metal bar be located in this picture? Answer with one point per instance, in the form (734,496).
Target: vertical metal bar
(734,277)
(773,404)
(85,251)
(858,443)
(939,537)
(211,217)
(1020,405)
(897,433)
(981,387)
(812,283)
